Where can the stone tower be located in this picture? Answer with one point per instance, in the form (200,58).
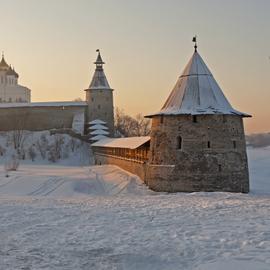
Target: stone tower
(197,138)
(99,96)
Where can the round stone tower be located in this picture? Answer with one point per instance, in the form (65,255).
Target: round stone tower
(197,138)
(99,96)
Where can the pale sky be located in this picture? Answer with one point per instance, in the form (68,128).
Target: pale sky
(145,44)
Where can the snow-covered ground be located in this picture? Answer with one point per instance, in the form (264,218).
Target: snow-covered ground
(63,217)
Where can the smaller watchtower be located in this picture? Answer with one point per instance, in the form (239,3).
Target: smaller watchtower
(99,96)
(197,138)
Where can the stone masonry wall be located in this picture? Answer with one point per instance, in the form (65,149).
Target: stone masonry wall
(100,106)
(210,156)
(38,118)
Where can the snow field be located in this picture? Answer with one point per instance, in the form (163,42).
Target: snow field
(101,217)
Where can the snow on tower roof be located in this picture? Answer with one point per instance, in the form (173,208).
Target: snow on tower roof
(99,80)
(97,121)
(99,132)
(129,143)
(98,126)
(98,138)
(197,92)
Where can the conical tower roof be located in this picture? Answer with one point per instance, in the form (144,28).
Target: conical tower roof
(197,92)
(99,80)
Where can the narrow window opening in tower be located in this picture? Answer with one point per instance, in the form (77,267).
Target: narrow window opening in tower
(92,99)
(219,168)
(208,144)
(179,142)
(161,119)
(224,119)
(234,144)
(194,118)
(99,106)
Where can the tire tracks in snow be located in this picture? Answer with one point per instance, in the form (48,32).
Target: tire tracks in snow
(48,187)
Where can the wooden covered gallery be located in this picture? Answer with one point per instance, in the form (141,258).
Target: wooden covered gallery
(134,149)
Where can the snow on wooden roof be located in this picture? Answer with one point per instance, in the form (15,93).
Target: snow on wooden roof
(96,121)
(98,126)
(44,104)
(197,92)
(129,143)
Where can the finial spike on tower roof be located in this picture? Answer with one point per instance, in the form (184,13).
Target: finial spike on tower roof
(194,39)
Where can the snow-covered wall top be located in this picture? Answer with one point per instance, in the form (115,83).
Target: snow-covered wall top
(44,104)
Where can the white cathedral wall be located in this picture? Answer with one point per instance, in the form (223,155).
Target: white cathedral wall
(14,93)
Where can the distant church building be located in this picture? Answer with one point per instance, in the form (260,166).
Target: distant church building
(10,90)
(197,140)
(17,111)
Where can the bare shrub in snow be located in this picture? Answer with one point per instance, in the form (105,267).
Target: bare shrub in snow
(65,151)
(73,144)
(12,163)
(42,146)
(32,153)
(55,149)
(2,150)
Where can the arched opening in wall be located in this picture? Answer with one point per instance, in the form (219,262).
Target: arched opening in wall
(99,106)
(92,99)
(219,168)
(234,144)
(194,119)
(179,142)
(208,144)
(224,118)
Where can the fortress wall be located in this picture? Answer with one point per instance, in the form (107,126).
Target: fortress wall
(38,118)
(135,167)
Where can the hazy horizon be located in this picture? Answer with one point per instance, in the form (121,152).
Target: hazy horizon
(145,44)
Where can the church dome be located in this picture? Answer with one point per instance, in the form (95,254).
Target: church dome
(12,72)
(3,64)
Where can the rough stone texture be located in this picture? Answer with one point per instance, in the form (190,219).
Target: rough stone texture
(212,155)
(100,106)
(135,167)
(38,118)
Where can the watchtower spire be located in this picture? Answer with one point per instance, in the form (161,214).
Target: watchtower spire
(99,62)
(194,39)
